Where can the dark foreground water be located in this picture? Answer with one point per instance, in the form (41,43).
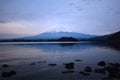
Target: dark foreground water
(45,61)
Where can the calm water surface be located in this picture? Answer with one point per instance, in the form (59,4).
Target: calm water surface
(31,60)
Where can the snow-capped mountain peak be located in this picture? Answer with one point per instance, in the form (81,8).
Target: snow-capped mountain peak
(57,35)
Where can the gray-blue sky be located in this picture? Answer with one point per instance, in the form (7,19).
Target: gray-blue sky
(29,17)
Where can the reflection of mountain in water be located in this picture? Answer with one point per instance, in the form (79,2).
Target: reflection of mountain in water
(67,46)
(58,46)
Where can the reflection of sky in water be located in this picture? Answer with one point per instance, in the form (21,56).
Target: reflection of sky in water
(21,55)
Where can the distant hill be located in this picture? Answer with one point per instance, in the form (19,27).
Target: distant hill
(114,36)
(110,37)
(57,35)
(67,39)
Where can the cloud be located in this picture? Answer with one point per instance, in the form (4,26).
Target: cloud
(2,21)
(24,27)
(20,27)
(79,8)
(60,28)
(72,4)
(117,12)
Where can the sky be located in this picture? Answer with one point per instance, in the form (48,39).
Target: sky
(30,17)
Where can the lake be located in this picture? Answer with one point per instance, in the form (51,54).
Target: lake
(48,60)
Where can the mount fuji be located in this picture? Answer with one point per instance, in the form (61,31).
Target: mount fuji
(57,35)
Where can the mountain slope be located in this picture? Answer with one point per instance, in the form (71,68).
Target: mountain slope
(57,35)
(115,36)
(110,37)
